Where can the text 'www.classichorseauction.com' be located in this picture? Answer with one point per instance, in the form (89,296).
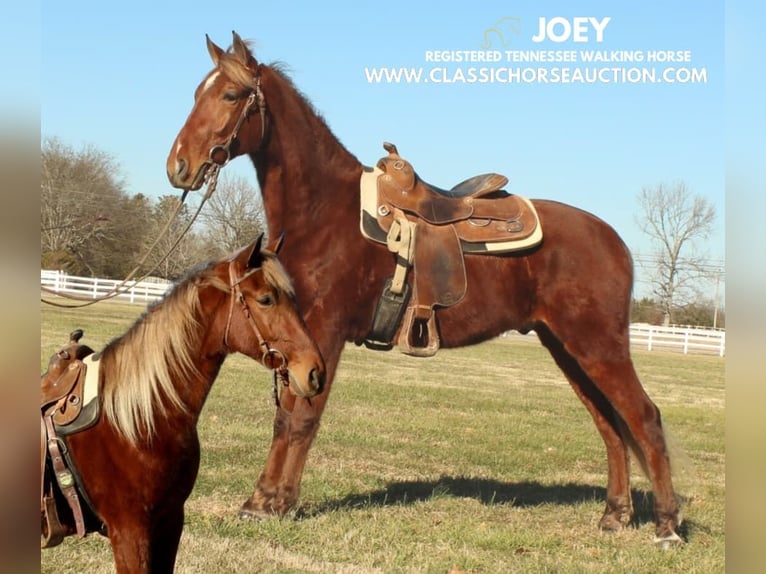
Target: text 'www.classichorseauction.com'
(545,67)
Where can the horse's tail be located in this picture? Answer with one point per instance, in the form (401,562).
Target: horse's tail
(680,463)
(635,451)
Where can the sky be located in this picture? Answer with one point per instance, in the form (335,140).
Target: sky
(121,77)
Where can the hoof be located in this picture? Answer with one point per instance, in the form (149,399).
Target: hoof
(254,515)
(669,541)
(615,520)
(609,523)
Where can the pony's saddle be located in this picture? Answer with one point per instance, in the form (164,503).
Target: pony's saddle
(431,230)
(68,404)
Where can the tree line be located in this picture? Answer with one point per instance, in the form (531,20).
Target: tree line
(701,313)
(90,226)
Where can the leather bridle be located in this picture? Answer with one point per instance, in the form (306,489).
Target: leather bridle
(256,101)
(239,297)
(272,358)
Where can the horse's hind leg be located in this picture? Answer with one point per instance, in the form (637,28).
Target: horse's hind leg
(619,507)
(609,368)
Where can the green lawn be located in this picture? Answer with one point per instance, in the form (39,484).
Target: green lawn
(477,460)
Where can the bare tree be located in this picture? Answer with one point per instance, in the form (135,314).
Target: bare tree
(73,183)
(675,219)
(88,224)
(176,246)
(233,216)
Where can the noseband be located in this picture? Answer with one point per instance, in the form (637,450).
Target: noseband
(257,100)
(272,358)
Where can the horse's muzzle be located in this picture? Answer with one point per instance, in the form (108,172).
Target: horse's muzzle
(179,175)
(311,385)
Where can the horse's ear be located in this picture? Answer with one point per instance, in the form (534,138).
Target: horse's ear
(214,51)
(276,245)
(255,258)
(240,47)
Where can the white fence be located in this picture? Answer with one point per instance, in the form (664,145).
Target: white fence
(89,287)
(650,337)
(678,339)
(687,340)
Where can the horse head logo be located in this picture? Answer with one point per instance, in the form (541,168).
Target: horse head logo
(510,24)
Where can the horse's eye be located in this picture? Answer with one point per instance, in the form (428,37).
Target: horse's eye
(266,300)
(230,96)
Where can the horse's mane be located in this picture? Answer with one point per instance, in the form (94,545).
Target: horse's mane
(142,365)
(235,63)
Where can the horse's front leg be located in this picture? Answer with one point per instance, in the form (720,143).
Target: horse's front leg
(166,537)
(147,545)
(262,502)
(278,486)
(131,547)
(295,425)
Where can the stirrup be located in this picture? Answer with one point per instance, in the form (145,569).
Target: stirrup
(52,532)
(432,335)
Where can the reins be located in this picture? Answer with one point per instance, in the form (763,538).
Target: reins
(255,100)
(212,181)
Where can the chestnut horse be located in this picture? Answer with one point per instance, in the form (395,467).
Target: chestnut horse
(573,290)
(138,463)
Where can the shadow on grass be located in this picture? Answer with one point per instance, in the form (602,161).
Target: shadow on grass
(486,491)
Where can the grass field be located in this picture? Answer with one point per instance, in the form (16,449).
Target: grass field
(477,460)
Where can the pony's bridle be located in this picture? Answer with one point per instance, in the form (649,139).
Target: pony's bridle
(220,154)
(272,358)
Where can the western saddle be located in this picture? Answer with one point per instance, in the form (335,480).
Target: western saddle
(431,229)
(67,405)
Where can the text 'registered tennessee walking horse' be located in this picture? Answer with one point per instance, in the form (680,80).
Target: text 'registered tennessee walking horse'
(573,288)
(120,454)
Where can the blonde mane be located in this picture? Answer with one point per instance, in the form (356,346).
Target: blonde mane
(143,365)
(276,275)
